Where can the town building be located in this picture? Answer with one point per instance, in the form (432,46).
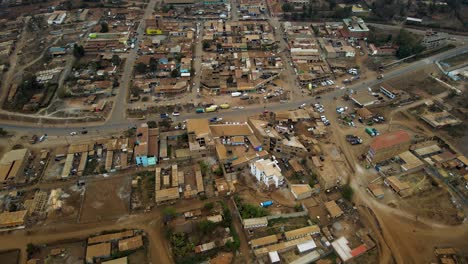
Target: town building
(201,142)
(302,232)
(301,191)
(98,251)
(363,99)
(440,119)
(263,241)
(12,165)
(333,209)
(355,27)
(267,171)
(12,219)
(409,162)
(131,243)
(267,135)
(251,223)
(388,145)
(433,39)
(292,147)
(398,186)
(146,145)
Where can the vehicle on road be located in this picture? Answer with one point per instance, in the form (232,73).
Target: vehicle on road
(199,110)
(73,133)
(175,114)
(164,115)
(84,132)
(380,77)
(224,106)
(236,94)
(43,137)
(212,108)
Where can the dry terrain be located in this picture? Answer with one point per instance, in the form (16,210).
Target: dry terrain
(105,200)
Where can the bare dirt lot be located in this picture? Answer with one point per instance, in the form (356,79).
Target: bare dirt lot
(71,200)
(106,199)
(435,205)
(9,257)
(419,83)
(73,253)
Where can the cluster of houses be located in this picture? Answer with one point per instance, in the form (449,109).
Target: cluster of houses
(239,56)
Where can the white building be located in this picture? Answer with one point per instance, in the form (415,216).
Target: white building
(267,171)
(57,18)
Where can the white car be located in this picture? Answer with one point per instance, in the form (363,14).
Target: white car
(72,133)
(175,114)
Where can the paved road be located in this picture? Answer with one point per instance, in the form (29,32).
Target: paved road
(118,113)
(116,125)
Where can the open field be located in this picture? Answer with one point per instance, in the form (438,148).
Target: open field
(71,198)
(73,252)
(9,257)
(419,83)
(107,199)
(435,204)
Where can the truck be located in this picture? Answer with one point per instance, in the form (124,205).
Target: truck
(266,204)
(224,106)
(199,110)
(370,131)
(236,94)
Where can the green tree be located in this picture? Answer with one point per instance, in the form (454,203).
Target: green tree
(152,124)
(169,212)
(78,51)
(115,60)
(206,44)
(347,192)
(287,7)
(104,27)
(408,44)
(3,132)
(174,73)
(208,206)
(141,68)
(206,226)
(153,65)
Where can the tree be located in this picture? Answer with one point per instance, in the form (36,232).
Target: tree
(78,51)
(341,12)
(408,44)
(152,124)
(174,73)
(230,79)
(153,65)
(115,60)
(206,226)
(208,206)
(3,132)
(141,68)
(104,27)
(347,192)
(169,212)
(206,44)
(287,7)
